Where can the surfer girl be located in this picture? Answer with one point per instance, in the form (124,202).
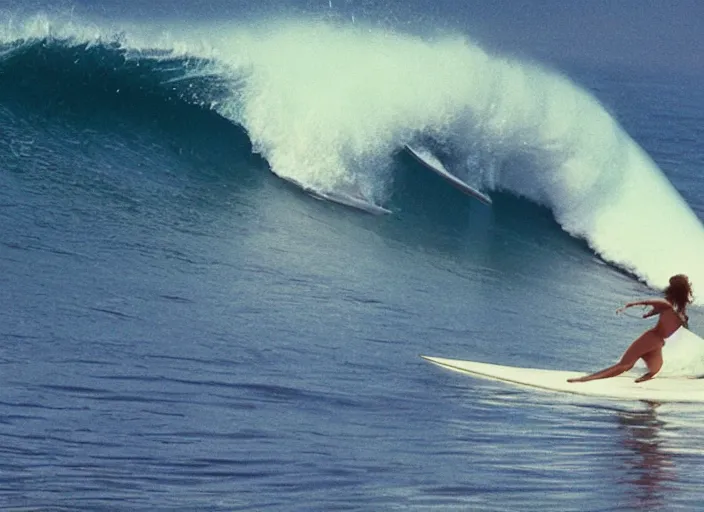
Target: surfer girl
(672,323)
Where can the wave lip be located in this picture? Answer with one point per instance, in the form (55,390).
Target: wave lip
(329,106)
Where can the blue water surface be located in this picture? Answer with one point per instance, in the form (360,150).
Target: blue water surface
(181,330)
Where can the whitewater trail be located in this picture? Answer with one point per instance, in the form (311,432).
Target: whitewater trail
(329,106)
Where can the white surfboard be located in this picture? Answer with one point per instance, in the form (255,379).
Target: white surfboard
(663,389)
(358,203)
(430,162)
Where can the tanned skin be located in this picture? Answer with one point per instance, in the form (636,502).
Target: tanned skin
(648,346)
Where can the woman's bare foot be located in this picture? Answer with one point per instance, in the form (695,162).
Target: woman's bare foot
(576,379)
(645,377)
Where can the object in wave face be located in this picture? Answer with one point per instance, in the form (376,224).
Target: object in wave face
(356,200)
(430,162)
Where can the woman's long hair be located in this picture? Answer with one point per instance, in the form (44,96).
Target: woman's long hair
(679,292)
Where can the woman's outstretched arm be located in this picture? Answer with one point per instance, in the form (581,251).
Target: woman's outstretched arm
(658,305)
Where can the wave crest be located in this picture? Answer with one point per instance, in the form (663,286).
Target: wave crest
(330,105)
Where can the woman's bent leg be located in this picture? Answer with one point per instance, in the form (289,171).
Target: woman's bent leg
(653,361)
(648,342)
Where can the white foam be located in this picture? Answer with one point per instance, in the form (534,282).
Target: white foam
(683,355)
(328,105)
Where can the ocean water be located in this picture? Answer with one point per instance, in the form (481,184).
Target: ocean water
(182,329)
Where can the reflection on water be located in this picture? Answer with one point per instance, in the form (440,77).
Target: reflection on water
(564,451)
(650,467)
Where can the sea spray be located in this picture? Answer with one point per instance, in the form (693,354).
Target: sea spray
(330,105)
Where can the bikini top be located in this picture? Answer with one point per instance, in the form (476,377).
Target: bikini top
(681,314)
(684,318)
